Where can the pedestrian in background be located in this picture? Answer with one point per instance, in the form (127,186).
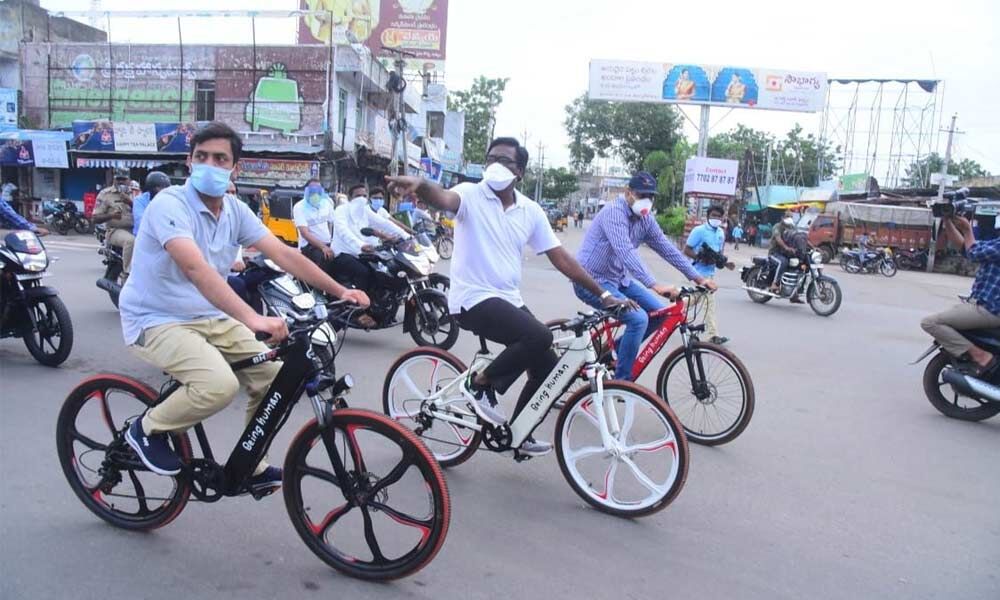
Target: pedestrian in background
(710,234)
(737,236)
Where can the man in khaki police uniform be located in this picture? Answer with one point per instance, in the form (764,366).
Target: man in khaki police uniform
(114,207)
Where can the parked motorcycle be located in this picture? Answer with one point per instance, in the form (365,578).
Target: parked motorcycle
(28,309)
(912,259)
(951,385)
(402,277)
(804,274)
(880,261)
(111,282)
(62,216)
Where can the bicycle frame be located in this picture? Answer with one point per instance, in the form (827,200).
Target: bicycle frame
(298,374)
(577,354)
(674,316)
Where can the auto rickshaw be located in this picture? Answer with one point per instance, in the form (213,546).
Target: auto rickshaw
(276,213)
(557,219)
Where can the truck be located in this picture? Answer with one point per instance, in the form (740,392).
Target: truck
(843,224)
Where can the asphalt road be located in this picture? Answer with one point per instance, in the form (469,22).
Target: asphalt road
(847,483)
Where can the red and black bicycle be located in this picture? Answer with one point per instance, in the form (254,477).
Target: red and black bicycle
(706,385)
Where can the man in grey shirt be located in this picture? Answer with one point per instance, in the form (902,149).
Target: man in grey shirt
(179,314)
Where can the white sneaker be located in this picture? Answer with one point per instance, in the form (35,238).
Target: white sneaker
(484,403)
(532,447)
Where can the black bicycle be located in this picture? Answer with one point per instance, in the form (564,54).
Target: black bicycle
(347,471)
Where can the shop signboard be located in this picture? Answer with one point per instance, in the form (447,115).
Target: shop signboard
(714,177)
(269,171)
(682,83)
(853,183)
(418,27)
(134,137)
(50,153)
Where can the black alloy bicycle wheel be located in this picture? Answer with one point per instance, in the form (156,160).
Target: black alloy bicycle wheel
(394,517)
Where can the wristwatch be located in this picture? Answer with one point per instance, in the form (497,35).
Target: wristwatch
(606,294)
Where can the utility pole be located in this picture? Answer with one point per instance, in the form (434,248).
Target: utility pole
(940,195)
(541,172)
(703,131)
(767,175)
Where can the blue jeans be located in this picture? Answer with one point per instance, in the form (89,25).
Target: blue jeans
(638,325)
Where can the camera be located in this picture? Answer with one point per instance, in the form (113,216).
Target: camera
(708,256)
(954,203)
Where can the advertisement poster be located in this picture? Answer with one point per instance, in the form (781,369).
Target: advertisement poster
(50,154)
(174,137)
(93,135)
(418,27)
(290,173)
(431,169)
(134,137)
(683,83)
(710,176)
(16,153)
(8,109)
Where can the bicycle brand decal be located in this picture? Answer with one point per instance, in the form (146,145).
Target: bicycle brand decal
(264,357)
(261,422)
(550,385)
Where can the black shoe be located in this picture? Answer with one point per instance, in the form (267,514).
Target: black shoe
(153,450)
(266,482)
(718,339)
(796,300)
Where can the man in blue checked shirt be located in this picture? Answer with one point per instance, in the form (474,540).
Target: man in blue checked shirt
(609,255)
(982,311)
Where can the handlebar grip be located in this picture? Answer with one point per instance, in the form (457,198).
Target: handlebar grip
(261,336)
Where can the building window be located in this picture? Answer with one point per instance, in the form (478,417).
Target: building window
(204,97)
(359,107)
(342,111)
(435,124)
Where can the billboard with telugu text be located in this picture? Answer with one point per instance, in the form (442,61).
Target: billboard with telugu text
(688,83)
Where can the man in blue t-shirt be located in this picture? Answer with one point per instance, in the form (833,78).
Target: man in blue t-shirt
(704,247)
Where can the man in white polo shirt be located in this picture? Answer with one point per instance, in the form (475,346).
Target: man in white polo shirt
(314,221)
(494,222)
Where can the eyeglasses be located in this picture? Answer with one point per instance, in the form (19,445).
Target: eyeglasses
(503,160)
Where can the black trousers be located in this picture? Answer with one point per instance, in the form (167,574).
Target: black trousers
(316,255)
(528,342)
(350,271)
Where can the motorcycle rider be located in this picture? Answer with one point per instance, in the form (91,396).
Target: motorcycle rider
(609,254)
(155,183)
(982,311)
(178,314)
(9,217)
(314,221)
(494,224)
(114,207)
(378,206)
(780,250)
(349,242)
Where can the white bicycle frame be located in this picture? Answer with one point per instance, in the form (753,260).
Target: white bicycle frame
(577,352)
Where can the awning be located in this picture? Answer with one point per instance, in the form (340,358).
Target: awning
(36,134)
(126,163)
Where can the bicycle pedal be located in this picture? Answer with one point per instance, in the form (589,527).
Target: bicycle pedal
(260,495)
(518,457)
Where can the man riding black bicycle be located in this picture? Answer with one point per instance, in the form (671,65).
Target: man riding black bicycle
(178,312)
(494,222)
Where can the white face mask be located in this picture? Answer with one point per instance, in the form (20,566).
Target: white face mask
(788,221)
(642,206)
(498,177)
(715,223)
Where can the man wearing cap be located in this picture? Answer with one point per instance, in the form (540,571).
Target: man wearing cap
(609,254)
(114,207)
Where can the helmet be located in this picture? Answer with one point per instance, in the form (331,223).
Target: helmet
(156,181)
(121,173)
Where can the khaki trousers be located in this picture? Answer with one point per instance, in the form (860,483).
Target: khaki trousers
(945,326)
(125,239)
(197,354)
(711,324)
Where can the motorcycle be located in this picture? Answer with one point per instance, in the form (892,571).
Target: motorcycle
(111,282)
(62,215)
(880,261)
(402,277)
(912,259)
(269,290)
(804,274)
(972,397)
(28,309)
(440,238)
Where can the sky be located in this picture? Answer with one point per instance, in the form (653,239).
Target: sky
(545,46)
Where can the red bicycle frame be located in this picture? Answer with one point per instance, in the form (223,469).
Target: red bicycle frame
(673,317)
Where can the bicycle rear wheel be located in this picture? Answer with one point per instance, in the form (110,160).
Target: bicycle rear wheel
(102,468)
(646,465)
(417,375)
(392,519)
(713,411)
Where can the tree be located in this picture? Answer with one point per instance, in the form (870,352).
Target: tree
(479,102)
(795,159)
(918,174)
(629,131)
(669,171)
(558,183)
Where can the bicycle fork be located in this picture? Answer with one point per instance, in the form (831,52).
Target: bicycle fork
(696,369)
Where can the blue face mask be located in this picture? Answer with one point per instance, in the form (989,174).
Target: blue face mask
(209,180)
(377,203)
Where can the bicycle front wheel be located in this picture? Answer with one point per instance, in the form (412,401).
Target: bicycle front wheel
(642,468)
(391,516)
(715,409)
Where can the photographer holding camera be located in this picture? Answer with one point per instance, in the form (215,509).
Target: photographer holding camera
(704,246)
(982,310)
